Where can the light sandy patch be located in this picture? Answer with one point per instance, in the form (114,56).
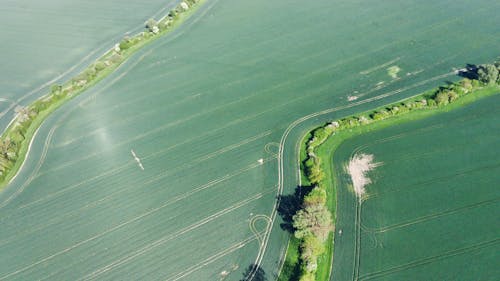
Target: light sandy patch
(358,167)
(393,71)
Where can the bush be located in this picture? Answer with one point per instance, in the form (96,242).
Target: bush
(314,172)
(379,115)
(99,66)
(152,25)
(172,13)
(125,43)
(316,196)
(55,88)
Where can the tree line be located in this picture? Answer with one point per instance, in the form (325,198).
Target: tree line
(313,222)
(13,142)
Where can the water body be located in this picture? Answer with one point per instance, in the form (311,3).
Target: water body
(199,109)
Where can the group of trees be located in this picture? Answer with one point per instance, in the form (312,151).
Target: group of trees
(489,73)
(313,221)
(10,142)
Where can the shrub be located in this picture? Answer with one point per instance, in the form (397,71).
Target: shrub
(116,58)
(316,196)
(151,24)
(99,66)
(172,13)
(125,43)
(314,173)
(55,88)
(379,115)
(431,102)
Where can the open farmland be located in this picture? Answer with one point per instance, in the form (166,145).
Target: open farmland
(199,108)
(432,210)
(51,40)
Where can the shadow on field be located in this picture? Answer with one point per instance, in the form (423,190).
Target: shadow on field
(260,274)
(470,72)
(290,204)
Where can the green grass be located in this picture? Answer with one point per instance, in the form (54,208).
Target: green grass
(291,267)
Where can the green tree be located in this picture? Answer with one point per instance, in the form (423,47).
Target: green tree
(441,98)
(152,25)
(487,73)
(172,13)
(314,172)
(55,88)
(313,220)
(317,196)
(452,96)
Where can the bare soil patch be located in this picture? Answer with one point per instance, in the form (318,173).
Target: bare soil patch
(358,167)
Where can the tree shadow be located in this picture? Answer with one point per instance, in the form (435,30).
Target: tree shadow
(470,72)
(259,275)
(289,205)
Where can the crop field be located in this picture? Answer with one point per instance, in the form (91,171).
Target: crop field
(432,210)
(51,40)
(154,173)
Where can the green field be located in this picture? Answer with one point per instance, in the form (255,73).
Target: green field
(431,212)
(52,40)
(200,107)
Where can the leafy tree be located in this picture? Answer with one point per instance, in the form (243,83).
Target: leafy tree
(172,13)
(314,172)
(452,96)
(125,43)
(310,249)
(487,73)
(441,98)
(152,25)
(55,88)
(99,65)
(317,196)
(313,220)
(24,113)
(381,114)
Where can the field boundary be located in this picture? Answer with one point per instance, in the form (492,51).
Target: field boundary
(22,129)
(420,106)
